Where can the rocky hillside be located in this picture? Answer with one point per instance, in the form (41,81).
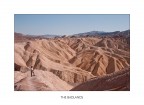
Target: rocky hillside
(71,61)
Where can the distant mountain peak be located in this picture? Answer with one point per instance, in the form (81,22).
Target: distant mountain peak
(103,33)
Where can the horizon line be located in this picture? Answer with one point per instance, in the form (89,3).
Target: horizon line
(69,34)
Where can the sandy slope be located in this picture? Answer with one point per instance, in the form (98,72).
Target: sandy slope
(115,81)
(70,60)
(43,80)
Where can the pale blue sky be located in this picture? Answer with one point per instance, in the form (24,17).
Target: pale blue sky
(59,24)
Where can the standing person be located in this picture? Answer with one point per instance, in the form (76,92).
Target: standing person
(32,71)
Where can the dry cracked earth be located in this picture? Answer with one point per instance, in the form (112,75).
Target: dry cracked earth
(72,64)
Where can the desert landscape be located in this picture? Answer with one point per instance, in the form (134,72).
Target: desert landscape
(91,61)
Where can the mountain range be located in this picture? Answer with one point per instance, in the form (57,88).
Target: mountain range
(91,33)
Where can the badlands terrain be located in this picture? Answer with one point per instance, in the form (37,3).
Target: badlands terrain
(75,63)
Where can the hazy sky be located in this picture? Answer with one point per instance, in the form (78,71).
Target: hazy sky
(69,24)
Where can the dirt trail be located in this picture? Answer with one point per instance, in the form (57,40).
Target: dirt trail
(30,83)
(44,80)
